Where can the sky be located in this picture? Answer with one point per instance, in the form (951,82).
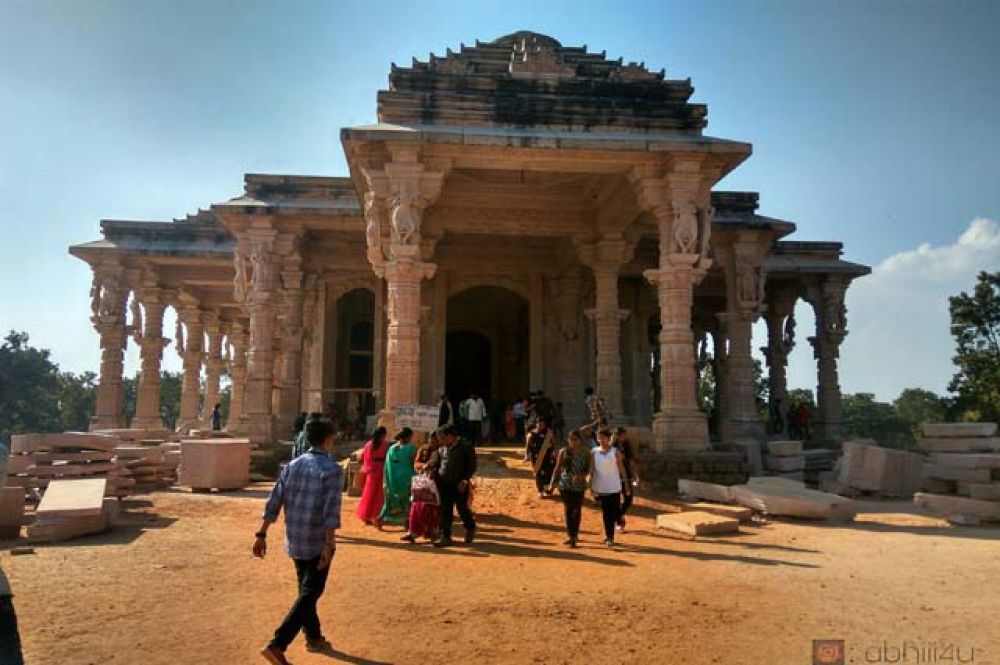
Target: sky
(874,123)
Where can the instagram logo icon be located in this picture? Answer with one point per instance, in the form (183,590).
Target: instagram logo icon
(828,652)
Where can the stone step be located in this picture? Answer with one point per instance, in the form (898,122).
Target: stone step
(959,429)
(706,491)
(947,506)
(956,473)
(697,523)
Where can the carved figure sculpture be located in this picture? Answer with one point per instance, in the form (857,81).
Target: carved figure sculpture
(685,229)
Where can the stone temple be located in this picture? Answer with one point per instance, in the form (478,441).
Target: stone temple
(522,215)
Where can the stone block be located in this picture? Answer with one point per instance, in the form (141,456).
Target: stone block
(72,498)
(751,449)
(883,470)
(214,463)
(959,429)
(740,513)
(968,461)
(54,529)
(706,491)
(948,506)
(11,507)
(938,486)
(960,445)
(784,448)
(794,500)
(775,481)
(697,523)
(787,463)
(985,491)
(956,473)
(30,443)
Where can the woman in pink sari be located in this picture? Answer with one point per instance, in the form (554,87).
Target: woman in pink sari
(373,465)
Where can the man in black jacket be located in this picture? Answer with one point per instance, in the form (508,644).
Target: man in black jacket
(454,475)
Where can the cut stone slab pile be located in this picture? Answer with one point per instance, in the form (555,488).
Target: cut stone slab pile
(962,485)
(73,508)
(147,465)
(867,468)
(784,458)
(215,463)
(773,495)
(37,459)
(817,461)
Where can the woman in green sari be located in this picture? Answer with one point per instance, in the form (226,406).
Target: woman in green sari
(398,474)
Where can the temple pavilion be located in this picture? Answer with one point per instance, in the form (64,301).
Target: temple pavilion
(521,215)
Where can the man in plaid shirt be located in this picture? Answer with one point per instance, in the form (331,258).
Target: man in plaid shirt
(309,491)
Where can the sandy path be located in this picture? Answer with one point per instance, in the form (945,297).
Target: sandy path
(176,584)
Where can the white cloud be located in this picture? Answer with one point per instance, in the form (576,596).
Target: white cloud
(898,318)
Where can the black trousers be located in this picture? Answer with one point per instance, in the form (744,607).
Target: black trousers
(10,640)
(303,616)
(451,499)
(611,510)
(573,504)
(626,502)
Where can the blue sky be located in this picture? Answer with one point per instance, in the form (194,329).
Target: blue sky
(874,123)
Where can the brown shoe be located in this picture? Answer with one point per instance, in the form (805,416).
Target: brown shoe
(320,645)
(274,655)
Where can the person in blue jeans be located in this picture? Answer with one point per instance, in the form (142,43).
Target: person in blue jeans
(308,490)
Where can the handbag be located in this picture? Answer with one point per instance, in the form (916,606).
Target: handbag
(360,476)
(424,489)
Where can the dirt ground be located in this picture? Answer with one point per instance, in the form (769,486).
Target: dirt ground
(176,584)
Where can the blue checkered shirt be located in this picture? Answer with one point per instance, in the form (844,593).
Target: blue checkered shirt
(309,490)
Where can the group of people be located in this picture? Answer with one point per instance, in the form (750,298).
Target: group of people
(609,462)
(419,489)
(499,421)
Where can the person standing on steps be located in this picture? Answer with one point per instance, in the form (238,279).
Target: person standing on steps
(308,490)
(607,480)
(454,480)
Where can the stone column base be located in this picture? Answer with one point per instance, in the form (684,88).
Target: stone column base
(680,430)
(147,423)
(258,429)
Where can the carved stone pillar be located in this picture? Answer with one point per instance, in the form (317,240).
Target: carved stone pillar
(396,198)
(108,298)
(605,259)
(213,366)
(237,338)
(780,318)
(151,345)
(379,344)
(260,305)
(684,230)
(192,352)
(742,259)
(536,331)
(827,300)
(291,276)
(313,338)
(566,295)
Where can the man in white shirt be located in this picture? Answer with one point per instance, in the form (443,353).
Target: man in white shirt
(476,408)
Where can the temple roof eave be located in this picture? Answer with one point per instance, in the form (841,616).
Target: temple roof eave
(514,137)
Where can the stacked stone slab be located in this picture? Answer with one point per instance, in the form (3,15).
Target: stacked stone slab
(38,459)
(867,468)
(11,512)
(147,465)
(962,476)
(784,458)
(73,508)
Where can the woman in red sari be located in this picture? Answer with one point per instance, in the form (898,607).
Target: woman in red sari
(373,465)
(425,511)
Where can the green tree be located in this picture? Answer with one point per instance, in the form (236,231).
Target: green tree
(864,417)
(801,396)
(916,406)
(77,395)
(975,325)
(170,397)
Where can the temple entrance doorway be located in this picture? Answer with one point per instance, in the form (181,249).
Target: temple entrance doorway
(486,344)
(350,350)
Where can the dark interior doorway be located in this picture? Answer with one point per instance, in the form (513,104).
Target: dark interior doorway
(468,364)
